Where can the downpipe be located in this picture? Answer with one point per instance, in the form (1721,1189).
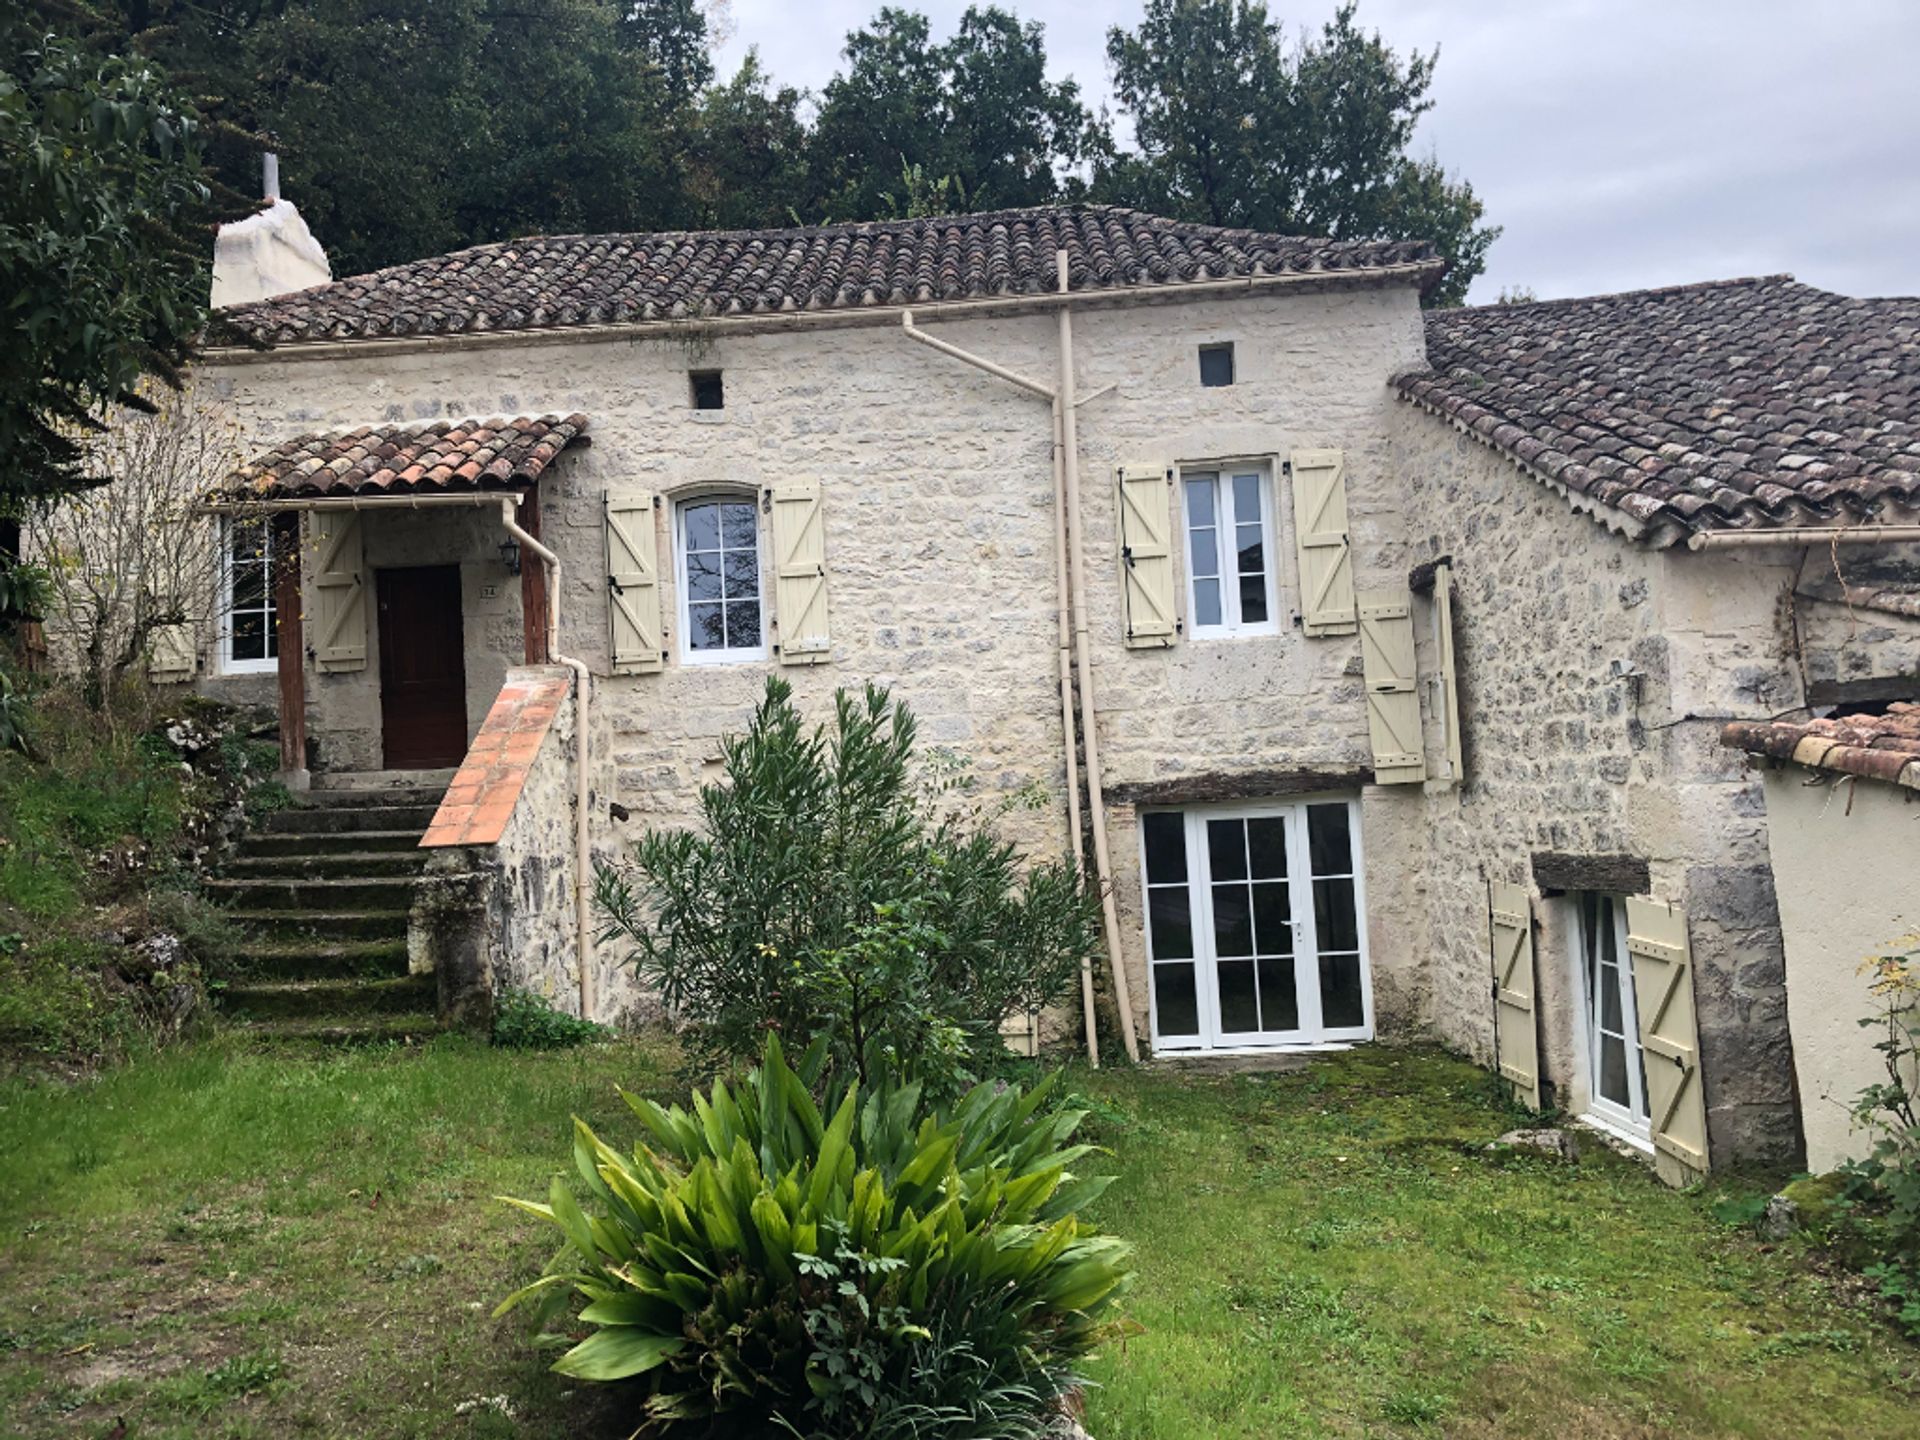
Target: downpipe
(581,754)
(1072,636)
(1083,659)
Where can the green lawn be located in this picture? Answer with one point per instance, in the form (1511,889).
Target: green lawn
(216,1242)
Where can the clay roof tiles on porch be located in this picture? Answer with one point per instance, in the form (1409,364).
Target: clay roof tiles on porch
(1879,747)
(1741,404)
(447,455)
(547,282)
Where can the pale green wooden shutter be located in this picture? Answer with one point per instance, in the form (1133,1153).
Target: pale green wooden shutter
(1320,538)
(1449,676)
(1663,996)
(1516,1039)
(800,573)
(339,592)
(633,584)
(1146,556)
(172,654)
(1393,706)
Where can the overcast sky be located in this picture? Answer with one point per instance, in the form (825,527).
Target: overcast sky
(1621,143)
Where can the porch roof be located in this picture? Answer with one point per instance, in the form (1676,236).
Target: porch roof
(447,456)
(1879,747)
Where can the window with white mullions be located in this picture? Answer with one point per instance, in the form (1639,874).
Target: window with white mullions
(1230,573)
(718,552)
(1253,926)
(1616,1066)
(249,636)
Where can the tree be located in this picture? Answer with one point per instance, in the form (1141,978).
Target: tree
(976,112)
(824,899)
(1230,130)
(748,165)
(127,560)
(106,219)
(408,128)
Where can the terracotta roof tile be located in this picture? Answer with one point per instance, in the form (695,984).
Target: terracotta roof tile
(446,455)
(553,281)
(1879,747)
(1740,404)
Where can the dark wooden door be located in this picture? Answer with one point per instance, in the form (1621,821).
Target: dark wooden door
(423,672)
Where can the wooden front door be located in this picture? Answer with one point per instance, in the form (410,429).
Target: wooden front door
(423,673)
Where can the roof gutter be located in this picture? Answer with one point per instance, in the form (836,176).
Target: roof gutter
(1416,271)
(489,499)
(1805,535)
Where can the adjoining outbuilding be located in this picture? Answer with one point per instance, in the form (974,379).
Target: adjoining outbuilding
(1843,831)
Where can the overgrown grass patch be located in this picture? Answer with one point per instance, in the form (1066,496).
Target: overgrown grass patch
(1331,1253)
(218,1241)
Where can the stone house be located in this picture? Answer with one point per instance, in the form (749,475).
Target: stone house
(1368,654)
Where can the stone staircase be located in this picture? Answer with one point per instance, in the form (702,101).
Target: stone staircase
(322,890)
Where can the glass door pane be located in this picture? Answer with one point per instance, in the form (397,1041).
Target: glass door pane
(1176,1000)
(1336,917)
(1251,902)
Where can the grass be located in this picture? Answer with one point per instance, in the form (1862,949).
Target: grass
(1331,1253)
(229,1243)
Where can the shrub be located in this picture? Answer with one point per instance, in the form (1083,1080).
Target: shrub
(524,1021)
(826,897)
(884,1272)
(1884,1187)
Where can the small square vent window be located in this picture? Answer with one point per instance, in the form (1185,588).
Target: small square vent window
(1216,364)
(708,393)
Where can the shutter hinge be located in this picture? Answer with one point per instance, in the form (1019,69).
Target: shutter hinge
(1126,556)
(1286,467)
(766,501)
(614,586)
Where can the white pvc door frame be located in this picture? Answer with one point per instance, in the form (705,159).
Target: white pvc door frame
(1630,1122)
(1311,1033)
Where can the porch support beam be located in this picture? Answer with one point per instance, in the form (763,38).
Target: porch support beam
(533,583)
(292,650)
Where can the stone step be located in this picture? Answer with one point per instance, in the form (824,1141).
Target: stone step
(364,799)
(307,957)
(381,780)
(293,892)
(336,865)
(351,842)
(329,999)
(297,926)
(407,1029)
(344,819)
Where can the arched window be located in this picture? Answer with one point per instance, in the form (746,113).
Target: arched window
(717,562)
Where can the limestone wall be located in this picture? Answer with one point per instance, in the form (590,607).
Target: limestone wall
(937,486)
(1595,676)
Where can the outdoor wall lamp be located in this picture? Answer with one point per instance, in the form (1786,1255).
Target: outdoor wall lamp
(510,555)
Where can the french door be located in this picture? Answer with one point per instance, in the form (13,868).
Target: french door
(1616,1066)
(1255,926)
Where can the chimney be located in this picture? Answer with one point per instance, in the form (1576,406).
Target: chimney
(269,253)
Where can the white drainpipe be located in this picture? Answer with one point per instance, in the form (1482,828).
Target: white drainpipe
(581,753)
(1070,593)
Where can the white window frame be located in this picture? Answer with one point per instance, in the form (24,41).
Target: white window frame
(726,655)
(1312,1033)
(269,608)
(1632,1123)
(1219,476)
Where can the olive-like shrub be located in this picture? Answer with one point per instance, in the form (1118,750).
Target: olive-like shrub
(884,1270)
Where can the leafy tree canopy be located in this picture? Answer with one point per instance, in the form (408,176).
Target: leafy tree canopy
(106,220)
(1233,130)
